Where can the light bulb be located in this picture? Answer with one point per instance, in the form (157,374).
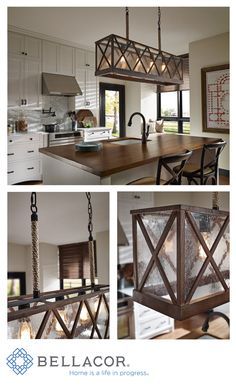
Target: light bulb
(25,329)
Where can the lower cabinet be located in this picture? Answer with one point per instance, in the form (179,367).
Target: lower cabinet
(149,323)
(125,319)
(24,162)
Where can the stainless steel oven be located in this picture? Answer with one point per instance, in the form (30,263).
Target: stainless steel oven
(64,137)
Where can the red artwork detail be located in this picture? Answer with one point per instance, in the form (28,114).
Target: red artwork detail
(218,97)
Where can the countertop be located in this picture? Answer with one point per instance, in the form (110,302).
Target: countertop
(114,158)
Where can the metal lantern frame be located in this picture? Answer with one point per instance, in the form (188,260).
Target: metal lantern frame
(123,58)
(179,305)
(60,313)
(24,307)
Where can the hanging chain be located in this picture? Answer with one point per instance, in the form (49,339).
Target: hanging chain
(90,216)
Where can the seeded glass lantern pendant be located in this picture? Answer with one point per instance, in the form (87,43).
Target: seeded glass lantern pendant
(123,58)
(181,259)
(74,313)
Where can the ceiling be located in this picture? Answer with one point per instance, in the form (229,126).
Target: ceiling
(62,217)
(82,25)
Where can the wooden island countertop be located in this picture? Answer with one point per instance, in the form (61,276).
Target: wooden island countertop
(114,158)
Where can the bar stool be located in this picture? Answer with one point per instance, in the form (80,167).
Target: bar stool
(208,169)
(164,163)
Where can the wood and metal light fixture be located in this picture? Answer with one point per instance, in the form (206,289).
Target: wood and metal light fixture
(123,58)
(181,259)
(75,313)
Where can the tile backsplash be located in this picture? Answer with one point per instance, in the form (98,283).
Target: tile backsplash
(35,118)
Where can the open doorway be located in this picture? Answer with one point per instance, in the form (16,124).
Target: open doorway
(112,108)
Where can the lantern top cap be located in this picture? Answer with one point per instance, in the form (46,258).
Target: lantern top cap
(178,208)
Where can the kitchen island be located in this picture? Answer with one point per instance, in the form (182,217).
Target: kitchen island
(117,163)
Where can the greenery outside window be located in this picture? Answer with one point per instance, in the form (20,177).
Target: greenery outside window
(173,107)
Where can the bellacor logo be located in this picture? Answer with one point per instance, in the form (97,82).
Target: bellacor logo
(19,361)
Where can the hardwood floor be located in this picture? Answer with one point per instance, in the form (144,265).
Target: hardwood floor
(192,328)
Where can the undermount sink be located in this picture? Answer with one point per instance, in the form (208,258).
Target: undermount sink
(127,141)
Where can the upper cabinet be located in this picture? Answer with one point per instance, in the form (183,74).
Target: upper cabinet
(24,70)
(58,58)
(85,75)
(84,58)
(26,46)
(28,57)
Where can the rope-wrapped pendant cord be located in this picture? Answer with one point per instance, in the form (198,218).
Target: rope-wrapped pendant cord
(35,246)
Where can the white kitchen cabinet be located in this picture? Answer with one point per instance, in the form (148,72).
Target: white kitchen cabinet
(149,323)
(24,163)
(89,87)
(24,81)
(84,58)
(24,70)
(96,134)
(58,58)
(85,76)
(24,45)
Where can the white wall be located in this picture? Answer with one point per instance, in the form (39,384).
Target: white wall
(102,241)
(206,53)
(201,199)
(148,101)
(133,103)
(18,262)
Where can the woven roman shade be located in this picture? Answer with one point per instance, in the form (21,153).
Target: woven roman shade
(74,261)
(181,87)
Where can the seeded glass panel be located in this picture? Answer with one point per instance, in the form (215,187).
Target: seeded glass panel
(155,224)
(34,321)
(168,257)
(209,284)
(155,284)
(143,254)
(194,257)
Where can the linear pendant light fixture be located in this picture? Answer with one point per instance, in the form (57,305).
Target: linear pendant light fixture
(181,259)
(74,313)
(123,58)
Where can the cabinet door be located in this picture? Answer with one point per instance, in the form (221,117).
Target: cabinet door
(32,82)
(90,58)
(15,43)
(66,60)
(32,47)
(80,58)
(50,62)
(80,99)
(15,80)
(91,89)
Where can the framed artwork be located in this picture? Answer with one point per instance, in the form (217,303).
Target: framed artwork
(215,99)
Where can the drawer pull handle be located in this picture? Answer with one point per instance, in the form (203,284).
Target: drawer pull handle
(30,168)
(11,172)
(30,151)
(147,328)
(31,139)
(10,153)
(10,140)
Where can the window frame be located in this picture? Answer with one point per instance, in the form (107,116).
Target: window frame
(179,118)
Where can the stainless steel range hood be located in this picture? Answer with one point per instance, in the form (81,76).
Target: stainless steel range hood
(61,85)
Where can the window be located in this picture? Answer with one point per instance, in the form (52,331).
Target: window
(173,107)
(74,265)
(112,108)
